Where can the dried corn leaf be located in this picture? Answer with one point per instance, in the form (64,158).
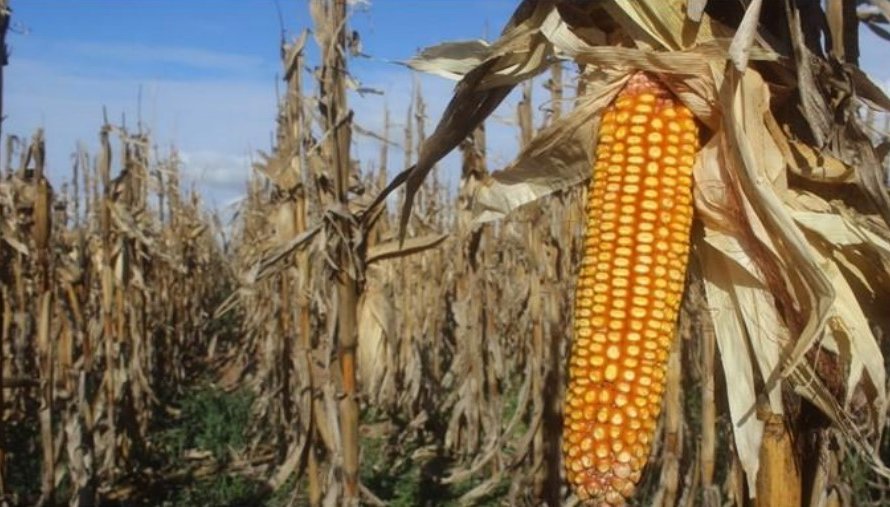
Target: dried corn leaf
(522,51)
(866,90)
(848,322)
(10,239)
(283,222)
(807,162)
(559,156)
(395,248)
(815,107)
(267,264)
(743,40)
(835,229)
(569,40)
(451,60)
(695,9)
(651,23)
(279,169)
(663,24)
(847,243)
(858,346)
(819,297)
(737,367)
(519,54)
(766,331)
(743,93)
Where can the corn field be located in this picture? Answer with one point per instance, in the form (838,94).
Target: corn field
(375,335)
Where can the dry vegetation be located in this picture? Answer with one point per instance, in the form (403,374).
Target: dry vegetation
(106,301)
(381,340)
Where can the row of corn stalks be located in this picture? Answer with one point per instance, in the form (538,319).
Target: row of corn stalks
(106,288)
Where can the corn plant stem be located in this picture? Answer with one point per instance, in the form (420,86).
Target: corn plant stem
(107,280)
(537,351)
(708,409)
(47,483)
(285,331)
(552,358)
(335,110)
(315,492)
(42,230)
(303,353)
(778,478)
(296,118)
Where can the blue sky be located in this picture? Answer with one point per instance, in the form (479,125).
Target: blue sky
(207,72)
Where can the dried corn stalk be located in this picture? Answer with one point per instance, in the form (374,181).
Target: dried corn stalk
(96,374)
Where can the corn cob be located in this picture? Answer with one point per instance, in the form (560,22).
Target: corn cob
(639,213)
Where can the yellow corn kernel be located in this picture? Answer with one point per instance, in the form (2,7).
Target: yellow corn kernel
(614,389)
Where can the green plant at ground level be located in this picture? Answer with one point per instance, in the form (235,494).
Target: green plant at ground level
(211,420)
(221,490)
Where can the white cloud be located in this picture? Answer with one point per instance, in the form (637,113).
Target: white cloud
(215,169)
